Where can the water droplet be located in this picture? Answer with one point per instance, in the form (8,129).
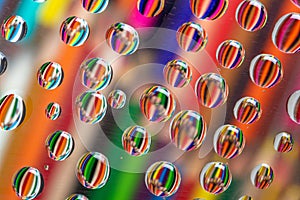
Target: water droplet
(60,145)
(157,104)
(28,183)
(215,177)
(150,8)
(39,1)
(91,107)
(53,111)
(96,73)
(93,170)
(229,141)
(94,6)
(265,70)
(230,54)
(208,9)
(262,176)
(177,73)
(3,63)
(247,110)
(285,35)
(211,90)
(296,2)
(46,167)
(116,99)
(50,75)
(191,37)
(162,179)
(245,197)
(187,130)
(136,140)
(12,111)
(293,107)
(251,15)
(122,38)
(14,28)
(283,142)
(74,31)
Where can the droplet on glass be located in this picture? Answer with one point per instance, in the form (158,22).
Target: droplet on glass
(94,6)
(293,106)
(50,75)
(150,8)
(77,197)
(53,111)
(262,176)
(14,28)
(283,142)
(208,9)
(247,110)
(116,99)
(3,63)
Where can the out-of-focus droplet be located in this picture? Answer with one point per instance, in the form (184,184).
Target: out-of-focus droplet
(59,145)
(28,183)
(215,177)
(230,54)
(53,111)
(285,35)
(251,15)
(136,140)
(14,28)
(191,37)
(50,75)
(247,110)
(262,176)
(91,107)
(12,111)
(211,90)
(93,170)
(150,8)
(77,197)
(229,141)
(187,130)
(74,31)
(94,6)
(208,9)
(177,73)
(245,197)
(162,179)
(122,38)
(265,70)
(293,107)
(3,63)
(116,99)
(283,142)
(157,104)
(96,73)
(296,2)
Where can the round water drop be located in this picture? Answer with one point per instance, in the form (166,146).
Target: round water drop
(215,177)
(12,112)
(245,197)
(162,179)
(293,107)
(60,145)
(157,104)
(96,73)
(122,38)
(150,8)
(230,54)
(93,170)
(53,111)
(283,142)
(187,130)
(247,110)
(91,107)
(116,99)
(229,141)
(136,140)
(14,28)
(266,70)
(177,73)
(262,176)
(191,37)
(74,31)
(251,15)
(296,2)
(208,9)
(28,183)
(3,63)
(50,75)
(94,6)
(211,90)
(77,197)
(285,35)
